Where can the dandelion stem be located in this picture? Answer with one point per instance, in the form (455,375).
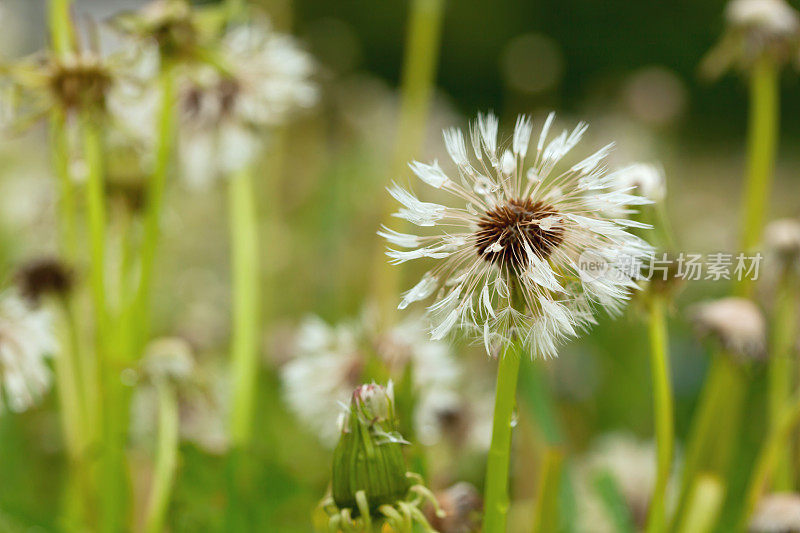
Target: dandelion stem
(768,457)
(781,371)
(95,202)
(417,84)
(60,28)
(244,347)
(166,459)
(714,426)
(705,503)
(761,149)
(545,516)
(497,465)
(663,410)
(152,215)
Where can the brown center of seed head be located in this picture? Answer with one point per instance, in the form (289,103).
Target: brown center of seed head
(513,224)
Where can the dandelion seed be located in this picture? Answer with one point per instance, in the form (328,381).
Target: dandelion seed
(515,246)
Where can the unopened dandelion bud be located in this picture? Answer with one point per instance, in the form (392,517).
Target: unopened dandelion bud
(369,456)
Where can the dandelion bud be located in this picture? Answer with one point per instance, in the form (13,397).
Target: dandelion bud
(776,513)
(737,323)
(369,456)
(44,277)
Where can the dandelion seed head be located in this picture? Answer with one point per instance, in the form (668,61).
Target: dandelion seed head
(782,238)
(776,513)
(770,16)
(737,323)
(329,361)
(508,262)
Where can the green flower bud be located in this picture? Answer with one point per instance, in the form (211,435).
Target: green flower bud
(369,455)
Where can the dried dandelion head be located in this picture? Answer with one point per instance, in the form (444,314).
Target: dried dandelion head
(757,29)
(777,513)
(43,277)
(511,247)
(736,323)
(782,239)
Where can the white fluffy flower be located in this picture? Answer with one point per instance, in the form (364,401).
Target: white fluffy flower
(330,361)
(645,179)
(774,17)
(737,323)
(201,391)
(510,246)
(26,340)
(777,513)
(266,78)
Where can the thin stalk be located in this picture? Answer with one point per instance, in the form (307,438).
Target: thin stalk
(782,372)
(497,464)
(166,459)
(155,199)
(95,203)
(418,80)
(70,377)
(67,209)
(546,516)
(761,149)
(714,426)
(663,411)
(705,505)
(61,31)
(246,303)
(767,459)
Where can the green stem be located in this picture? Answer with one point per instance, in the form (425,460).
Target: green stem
(545,516)
(67,209)
(777,439)
(152,215)
(714,426)
(781,371)
(705,504)
(60,28)
(761,149)
(663,411)
(497,465)
(95,203)
(418,81)
(166,459)
(244,347)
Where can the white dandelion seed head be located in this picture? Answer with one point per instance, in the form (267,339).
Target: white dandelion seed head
(737,323)
(782,238)
(773,17)
(520,219)
(26,341)
(203,398)
(776,513)
(329,362)
(169,358)
(757,29)
(644,179)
